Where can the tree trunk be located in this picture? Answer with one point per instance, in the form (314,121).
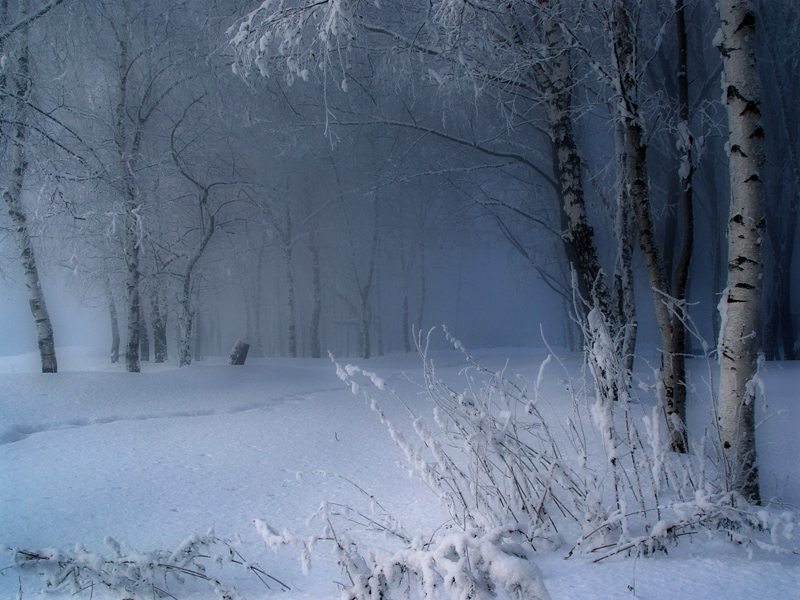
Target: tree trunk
(287,253)
(623,293)
(144,339)
(185,331)
(132,289)
(406,323)
(580,235)
(239,353)
(681,272)
(199,346)
(422,291)
(365,288)
(405,274)
(259,286)
(248,309)
(785,297)
(186,313)
(112,312)
(159,321)
(363,308)
(741,301)
(127,150)
(672,342)
(377,316)
(18,83)
(316,305)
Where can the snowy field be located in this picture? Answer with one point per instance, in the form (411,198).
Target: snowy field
(151,459)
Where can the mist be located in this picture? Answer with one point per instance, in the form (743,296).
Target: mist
(312,198)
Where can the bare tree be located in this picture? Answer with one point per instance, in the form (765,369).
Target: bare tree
(206,224)
(515,52)
(16,90)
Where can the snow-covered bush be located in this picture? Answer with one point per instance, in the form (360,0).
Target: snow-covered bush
(139,575)
(600,482)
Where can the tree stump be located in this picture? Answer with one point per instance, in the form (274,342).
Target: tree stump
(239,353)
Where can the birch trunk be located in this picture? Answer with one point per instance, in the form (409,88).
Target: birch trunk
(363,307)
(580,235)
(186,311)
(624,299)
(127,149)
(377,316)
(365,288)
(287,254)
(405,273)
(422,290)
(258,349)
(159,321)
(638,186)
(112,313)
(316,304)
(200,335)
(132,288)
(185,331)
(677,354)
(741,301)
(144,339)
(406,323)
(19,88)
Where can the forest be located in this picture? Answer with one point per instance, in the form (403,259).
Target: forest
(616,179)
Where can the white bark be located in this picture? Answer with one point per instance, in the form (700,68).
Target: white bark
(19,88)
(186,312)
(741,302)
(127,146)
(557,84)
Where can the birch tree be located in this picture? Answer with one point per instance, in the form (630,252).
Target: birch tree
(625,75)
(741,301)
(17,93)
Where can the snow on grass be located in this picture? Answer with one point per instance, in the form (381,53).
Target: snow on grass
(151,459)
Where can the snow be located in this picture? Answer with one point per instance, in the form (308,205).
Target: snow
(95,454)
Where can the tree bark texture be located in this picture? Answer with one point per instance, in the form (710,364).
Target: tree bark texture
(127,146)
(624,298)
(741,301)
(19,83)
(673,359)
(186,313)
(558,85)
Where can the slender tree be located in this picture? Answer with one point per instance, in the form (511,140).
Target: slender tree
(112,312)
(17,93)
(741,301)
(669,301)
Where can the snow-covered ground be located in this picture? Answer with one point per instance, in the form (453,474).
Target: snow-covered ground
(150,459)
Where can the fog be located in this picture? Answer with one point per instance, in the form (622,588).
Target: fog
(484,296)
(198,173)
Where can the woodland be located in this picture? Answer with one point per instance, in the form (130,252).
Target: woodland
(313,177)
